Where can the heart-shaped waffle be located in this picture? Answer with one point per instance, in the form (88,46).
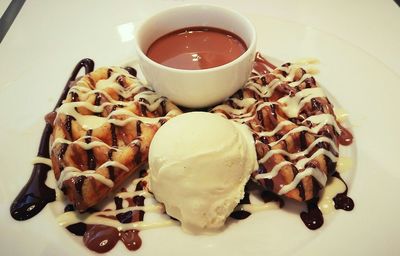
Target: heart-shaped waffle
(294,126)
(102,132)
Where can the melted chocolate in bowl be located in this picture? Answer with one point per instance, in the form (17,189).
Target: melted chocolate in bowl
(196,48)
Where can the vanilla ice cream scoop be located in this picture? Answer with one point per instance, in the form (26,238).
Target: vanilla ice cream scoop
(199,164)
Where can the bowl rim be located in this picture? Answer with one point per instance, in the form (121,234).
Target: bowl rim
(249,51)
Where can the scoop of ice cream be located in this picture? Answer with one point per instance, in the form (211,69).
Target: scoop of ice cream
(199,165)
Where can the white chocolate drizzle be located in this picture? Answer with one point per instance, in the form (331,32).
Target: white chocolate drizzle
(316,173)
(246,109)
(334,187)
(114,164)
(344,164)
(292,105)
(70,218)
(101,217)
(257,207)
(274,171)
(293,156)
(71,171)
(83,144)
(42,160)
(132,94)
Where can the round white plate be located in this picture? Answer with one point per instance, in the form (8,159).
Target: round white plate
(367,90)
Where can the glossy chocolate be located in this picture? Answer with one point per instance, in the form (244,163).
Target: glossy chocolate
(35,195)
(196,48)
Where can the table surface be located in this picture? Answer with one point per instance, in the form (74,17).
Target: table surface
(372,25)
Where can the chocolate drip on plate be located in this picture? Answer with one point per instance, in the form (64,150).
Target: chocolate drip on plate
(345,137)
(124,217)
(261,65)
(269,196)
(342,200)
(312,218)
(242,214)
(131,239)
(102,238)
(35,195)
(78,229)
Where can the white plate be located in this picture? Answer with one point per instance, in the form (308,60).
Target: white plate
(39,65)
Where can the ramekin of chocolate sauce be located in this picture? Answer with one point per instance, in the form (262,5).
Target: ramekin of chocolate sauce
(196,55)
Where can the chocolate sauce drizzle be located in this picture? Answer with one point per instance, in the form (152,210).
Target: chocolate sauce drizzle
(267,196)
(91,162)
(35,195)
(345,138)
(131,71)
(312,218)
(261,65)
(242,214)
(102,238)
(342,200)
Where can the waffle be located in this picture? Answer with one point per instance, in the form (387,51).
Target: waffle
(102,132)
(294,126)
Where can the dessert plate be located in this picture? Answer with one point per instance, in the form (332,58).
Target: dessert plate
(363,86)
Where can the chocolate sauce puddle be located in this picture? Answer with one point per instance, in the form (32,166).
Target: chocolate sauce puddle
(103,238)
(312,218)
(342,200)
(35,195)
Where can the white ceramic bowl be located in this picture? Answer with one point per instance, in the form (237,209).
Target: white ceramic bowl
(196,88)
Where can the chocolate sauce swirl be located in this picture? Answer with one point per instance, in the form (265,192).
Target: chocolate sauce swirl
(35,195)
